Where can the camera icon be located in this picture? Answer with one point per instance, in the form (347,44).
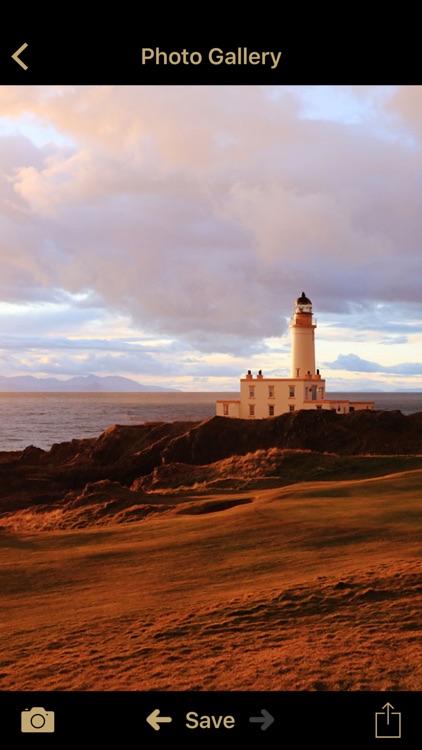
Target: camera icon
(37,720)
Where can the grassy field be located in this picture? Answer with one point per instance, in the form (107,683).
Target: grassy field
(311,586)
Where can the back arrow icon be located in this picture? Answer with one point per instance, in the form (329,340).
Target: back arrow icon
(16,54)
(154,719)
(266,719)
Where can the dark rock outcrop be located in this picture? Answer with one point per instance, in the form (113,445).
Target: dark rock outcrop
(124,454)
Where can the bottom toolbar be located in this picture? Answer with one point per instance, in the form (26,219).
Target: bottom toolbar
(270,719)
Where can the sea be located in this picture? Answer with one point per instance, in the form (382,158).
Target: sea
(42,419)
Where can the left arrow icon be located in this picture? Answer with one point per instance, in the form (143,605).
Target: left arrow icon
(16,54)
(154,719)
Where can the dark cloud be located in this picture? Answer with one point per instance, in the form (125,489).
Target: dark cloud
(392,340)
(354,363)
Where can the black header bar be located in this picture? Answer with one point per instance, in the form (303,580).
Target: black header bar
(164,52)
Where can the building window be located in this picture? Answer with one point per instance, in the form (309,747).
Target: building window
(270,391)
(251,391)
(251,410)
(291,391)
(291,407)
(352,408)
(225,410)
(319,407)
(271,410)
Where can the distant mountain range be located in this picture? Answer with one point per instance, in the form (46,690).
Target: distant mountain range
(82,384)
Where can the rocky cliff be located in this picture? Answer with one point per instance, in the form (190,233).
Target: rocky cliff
(167,455)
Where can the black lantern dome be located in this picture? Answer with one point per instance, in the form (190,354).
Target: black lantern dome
(303,300)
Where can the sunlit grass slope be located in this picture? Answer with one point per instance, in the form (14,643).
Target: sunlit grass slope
(310,586)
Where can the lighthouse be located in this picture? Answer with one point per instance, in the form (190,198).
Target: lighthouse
(262,397)
(303,339)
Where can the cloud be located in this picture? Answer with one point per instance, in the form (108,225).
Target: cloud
(201,213)
(354,363)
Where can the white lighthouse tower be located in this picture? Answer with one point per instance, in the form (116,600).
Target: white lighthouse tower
(303,339)
(262,397)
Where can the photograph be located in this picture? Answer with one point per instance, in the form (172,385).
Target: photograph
(210,388)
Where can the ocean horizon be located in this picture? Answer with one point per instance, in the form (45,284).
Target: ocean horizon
(43,419)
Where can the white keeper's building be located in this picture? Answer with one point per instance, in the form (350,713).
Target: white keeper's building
(262,397)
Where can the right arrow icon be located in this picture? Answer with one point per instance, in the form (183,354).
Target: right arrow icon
(265,719)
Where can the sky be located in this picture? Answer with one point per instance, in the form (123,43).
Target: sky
(163,233)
